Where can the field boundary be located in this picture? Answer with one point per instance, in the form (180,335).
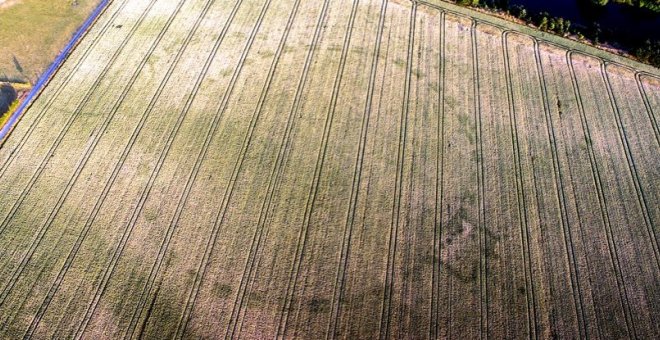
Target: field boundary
(45,78)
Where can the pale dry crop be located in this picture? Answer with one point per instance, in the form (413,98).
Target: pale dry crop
(331,169)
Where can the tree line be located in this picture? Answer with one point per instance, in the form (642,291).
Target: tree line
(647,51)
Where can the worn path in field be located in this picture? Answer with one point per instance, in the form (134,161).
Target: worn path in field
(332,169)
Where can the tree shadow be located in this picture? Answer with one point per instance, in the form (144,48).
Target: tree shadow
(17,65)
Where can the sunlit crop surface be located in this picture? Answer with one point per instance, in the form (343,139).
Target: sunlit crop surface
(340,169)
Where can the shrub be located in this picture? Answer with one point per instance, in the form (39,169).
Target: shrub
(649,53)
(7,97)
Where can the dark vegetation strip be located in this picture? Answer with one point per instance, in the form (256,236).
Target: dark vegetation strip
(345,246)
(614,257)
(396,204)
(342,269)
(147,190)
(155,269)
(325,141)
(302,237)
(632,167)
(481,227)
(201,271)
(439,180)
(571,179)
(534,196)
(257,237)
(48,75)
(275,177)
(522,205)
(561,197)
(273,180)
(91,147)
(193,175)
(247,141)
(82,236)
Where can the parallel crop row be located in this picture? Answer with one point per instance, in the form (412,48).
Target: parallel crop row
(330,169)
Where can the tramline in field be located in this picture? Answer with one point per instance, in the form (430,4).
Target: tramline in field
(331,169)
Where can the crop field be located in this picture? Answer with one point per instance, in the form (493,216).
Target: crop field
(331,169)
(33,32)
